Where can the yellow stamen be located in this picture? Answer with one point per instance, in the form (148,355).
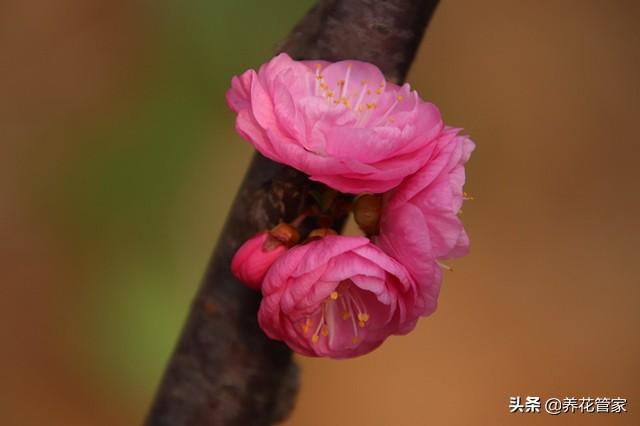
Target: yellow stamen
(334,295)
(346,315)
(324,330)
(445,266)
(399,98)
(314,338)
(306,326)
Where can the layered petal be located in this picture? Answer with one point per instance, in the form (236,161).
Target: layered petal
(341,123)
(420,223)
(338,297)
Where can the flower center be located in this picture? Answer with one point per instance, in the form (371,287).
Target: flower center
(343,304)
(363,99)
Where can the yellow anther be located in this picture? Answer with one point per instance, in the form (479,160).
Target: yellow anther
(361,324)
(334,295)
(381,84)
(378,91)
(371,105)
(363,317)
(324,330)
(445,266)
(306,326)
(330,94)
(368,91)
(354,340)
(345,101)
(314,338)
(346,315)
(318,77)
(399,98)
(323,86)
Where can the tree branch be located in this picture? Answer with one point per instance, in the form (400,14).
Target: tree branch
(224,370)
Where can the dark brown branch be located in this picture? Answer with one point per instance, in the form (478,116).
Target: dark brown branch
(224,370)
(385,33)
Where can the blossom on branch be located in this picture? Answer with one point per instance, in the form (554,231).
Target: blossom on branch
(349,129)
(338,297)
(420,223)
(341,123)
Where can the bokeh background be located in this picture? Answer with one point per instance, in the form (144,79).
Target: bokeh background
(118,163)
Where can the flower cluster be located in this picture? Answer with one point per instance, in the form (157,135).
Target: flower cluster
(349,129)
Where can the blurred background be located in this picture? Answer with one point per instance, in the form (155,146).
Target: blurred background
(118,163)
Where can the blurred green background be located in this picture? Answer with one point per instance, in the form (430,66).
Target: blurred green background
(118,163)
(122,148)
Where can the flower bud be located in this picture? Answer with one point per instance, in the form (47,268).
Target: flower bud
(254,258)
(367,211)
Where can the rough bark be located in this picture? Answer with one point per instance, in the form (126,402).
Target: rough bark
(224,370)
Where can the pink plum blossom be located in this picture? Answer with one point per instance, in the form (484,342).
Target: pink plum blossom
(341,123)
(420,223)
(254,258)
(339,297)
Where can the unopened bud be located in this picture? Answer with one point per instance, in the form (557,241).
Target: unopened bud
(366,211)
(254,258)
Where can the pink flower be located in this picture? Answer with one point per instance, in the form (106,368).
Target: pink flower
(420,222)
(341,123)
(339,297)
(254,258)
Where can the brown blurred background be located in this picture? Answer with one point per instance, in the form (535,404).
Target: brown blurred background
(115,178)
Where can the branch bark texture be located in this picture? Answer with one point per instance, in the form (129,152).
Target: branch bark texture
(224,370)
